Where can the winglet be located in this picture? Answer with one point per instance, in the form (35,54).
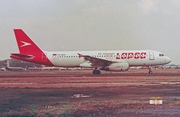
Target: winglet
(80,55)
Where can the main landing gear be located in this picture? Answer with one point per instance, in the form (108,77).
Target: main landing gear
(150,70)
(96,71)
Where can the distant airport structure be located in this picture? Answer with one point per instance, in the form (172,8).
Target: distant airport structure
(13,64)
(19,63)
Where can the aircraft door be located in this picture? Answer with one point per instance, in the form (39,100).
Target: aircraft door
(109,56)
(151,55)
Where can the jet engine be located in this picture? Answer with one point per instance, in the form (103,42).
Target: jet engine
(118,67)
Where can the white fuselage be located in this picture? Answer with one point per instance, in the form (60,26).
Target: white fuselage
(133,58)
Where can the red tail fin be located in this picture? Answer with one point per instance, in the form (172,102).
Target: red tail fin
(25,44)
(29,51)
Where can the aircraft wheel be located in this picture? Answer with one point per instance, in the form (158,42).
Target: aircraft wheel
(150,72)
(96,72)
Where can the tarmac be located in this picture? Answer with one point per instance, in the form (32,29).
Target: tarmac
(79,93)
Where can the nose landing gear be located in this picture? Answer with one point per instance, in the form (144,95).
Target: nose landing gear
(150,70)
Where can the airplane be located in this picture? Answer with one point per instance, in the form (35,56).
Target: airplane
(119,60)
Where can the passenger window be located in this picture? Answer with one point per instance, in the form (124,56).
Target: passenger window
(161,55)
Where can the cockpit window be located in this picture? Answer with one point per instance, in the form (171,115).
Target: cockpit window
(161,54)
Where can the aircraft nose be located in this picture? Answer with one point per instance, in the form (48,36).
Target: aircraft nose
(168,60)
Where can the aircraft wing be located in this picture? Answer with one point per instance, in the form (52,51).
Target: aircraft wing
(96,61)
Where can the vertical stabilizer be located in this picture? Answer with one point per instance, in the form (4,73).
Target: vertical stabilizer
(25,44)
(29,51)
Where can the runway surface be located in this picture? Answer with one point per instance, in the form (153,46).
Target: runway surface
(79,93)
(86,73)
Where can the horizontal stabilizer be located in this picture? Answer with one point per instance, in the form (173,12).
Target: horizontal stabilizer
(23,56)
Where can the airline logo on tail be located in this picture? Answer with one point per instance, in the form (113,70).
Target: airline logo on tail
(25,44)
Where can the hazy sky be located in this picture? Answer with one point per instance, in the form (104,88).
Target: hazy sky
(93,25)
